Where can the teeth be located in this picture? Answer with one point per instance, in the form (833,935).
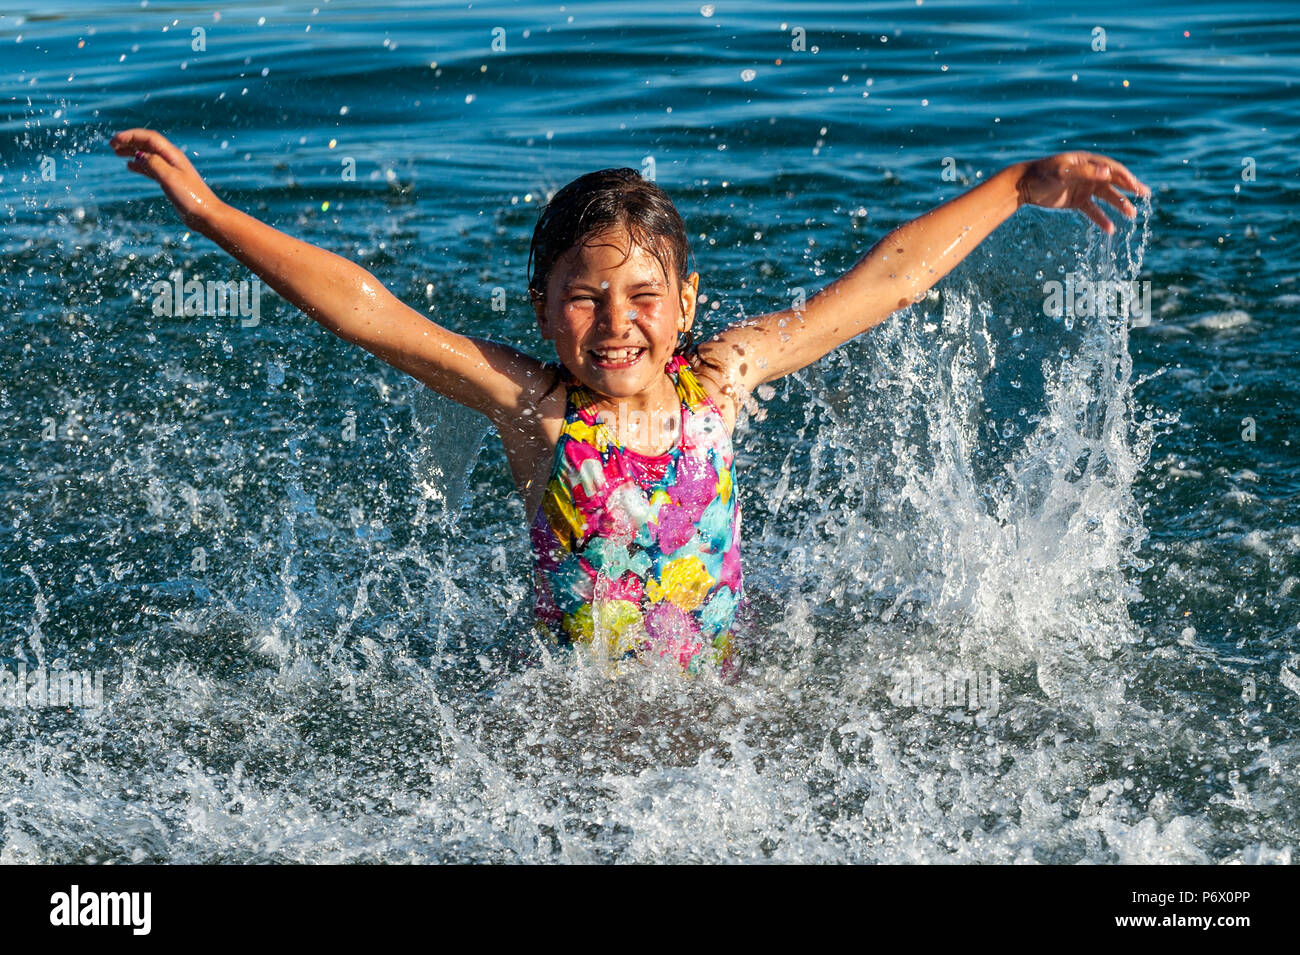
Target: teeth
(617,354)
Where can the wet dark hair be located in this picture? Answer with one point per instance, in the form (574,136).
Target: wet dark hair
(604,200)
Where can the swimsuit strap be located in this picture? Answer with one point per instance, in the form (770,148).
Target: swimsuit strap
(688,386)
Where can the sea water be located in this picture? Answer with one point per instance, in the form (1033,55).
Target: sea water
(1023,581)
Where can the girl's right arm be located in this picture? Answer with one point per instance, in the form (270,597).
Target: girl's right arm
(495,379)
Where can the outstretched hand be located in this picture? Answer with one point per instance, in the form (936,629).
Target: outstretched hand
(153,155)
(1073,180)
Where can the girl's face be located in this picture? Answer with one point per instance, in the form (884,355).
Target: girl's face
(614,315)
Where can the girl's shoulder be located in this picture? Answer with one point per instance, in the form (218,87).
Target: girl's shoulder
(560,397)
(556,368)
(556,383)
(715,382)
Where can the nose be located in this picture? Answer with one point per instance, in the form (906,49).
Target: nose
(618,316)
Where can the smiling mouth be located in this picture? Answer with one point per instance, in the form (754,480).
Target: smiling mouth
(616,357)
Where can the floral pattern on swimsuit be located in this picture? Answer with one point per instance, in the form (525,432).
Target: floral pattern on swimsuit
(641,553)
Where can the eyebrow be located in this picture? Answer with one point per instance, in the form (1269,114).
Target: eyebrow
(585,286)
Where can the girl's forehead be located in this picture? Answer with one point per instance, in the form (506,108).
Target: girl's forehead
(616,254)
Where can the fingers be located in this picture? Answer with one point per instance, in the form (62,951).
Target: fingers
(1118,200)
(1127,179)
(143,163)
(132,142)
(157,169)
(1076,179)
(1119,174)
(1107,177)
(1093,212)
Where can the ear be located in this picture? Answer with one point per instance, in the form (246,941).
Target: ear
(539,309)
(690,294)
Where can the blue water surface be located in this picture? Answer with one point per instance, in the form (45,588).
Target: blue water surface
(306,579)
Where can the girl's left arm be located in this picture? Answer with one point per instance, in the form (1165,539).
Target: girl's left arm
(906,263)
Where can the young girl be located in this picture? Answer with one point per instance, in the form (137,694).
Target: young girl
(622,450)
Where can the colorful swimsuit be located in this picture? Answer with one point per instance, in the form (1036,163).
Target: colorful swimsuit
(637,552)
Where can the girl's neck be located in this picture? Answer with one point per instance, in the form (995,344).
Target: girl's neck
(658,397)
(646,421)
